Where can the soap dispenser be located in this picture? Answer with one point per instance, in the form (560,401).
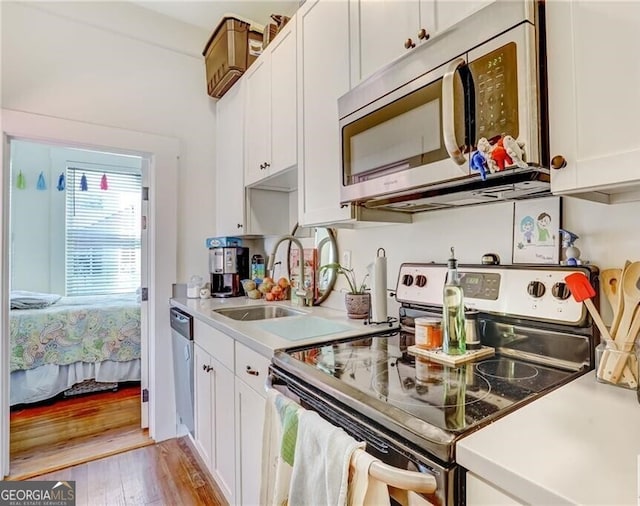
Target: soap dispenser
(453,319)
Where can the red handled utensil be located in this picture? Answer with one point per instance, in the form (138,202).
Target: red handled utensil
(582,291)
(612,363)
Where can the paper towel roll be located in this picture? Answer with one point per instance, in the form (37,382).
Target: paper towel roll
(379,296)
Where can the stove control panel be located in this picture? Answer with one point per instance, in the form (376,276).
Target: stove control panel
(528,292)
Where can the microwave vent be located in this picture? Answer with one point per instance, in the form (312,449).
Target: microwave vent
(517,184)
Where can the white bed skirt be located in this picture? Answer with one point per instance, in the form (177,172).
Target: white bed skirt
(49,380)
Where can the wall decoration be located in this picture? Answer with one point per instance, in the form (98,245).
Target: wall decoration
(21,182)
(61,182)
(536,231)
(41,184)
(83,183)
(104,184)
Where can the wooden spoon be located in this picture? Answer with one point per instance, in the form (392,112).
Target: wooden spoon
(611,287)
(631,294)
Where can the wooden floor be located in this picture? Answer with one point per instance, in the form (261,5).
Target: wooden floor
(168,473)
(53,436)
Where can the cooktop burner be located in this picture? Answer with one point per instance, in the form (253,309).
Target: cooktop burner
(507,369)
(451,398)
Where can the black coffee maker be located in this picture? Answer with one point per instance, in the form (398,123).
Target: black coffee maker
(228,266)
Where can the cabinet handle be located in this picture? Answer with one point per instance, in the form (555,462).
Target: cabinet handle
(261,166)
(423,34)
(558,162)
(207,368)
(408,44)
(267,164)
(239,225)
(204,368)
(253,372)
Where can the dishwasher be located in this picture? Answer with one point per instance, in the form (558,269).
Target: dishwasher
(182,343)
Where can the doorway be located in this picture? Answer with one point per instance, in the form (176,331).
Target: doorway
(160,210)
(75,305)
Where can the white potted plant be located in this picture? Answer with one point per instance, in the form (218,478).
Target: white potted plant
(357,299)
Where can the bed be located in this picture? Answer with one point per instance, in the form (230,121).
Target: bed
(71,341)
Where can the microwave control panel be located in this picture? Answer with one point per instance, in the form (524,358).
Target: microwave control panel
(495,77)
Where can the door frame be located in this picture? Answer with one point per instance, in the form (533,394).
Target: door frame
(163,154)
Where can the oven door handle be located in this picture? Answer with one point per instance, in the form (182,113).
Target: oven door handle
(422,483)
(448,113)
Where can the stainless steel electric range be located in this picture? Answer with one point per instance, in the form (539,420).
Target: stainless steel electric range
(410,410)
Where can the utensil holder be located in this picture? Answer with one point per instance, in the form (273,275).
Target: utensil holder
(617,367)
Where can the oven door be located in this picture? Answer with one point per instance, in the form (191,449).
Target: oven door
(408,137)
(392,451)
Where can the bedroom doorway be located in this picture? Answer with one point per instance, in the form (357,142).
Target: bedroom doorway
(77,351)
(162,155)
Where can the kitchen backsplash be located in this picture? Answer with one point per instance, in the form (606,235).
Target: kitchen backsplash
(608,236)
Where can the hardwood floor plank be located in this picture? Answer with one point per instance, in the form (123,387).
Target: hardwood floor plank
(168,473)
(64,433)
(43,425)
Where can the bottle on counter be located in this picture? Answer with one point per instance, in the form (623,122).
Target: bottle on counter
(453,319)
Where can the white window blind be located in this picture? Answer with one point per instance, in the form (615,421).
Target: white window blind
(102,233)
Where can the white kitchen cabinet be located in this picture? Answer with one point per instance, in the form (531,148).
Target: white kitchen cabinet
(323,76)
(482,493)
(594,106)
(270,127)
(230,192)
(214,405)
(383,30)
(251,373)
(241,211)
(250,406)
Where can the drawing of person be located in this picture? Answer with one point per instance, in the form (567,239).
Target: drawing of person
(544,234)
(526,227)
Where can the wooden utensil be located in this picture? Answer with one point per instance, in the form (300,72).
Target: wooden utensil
(611,366)
(610,279)
(630,285)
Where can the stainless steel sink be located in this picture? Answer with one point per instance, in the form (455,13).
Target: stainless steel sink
(258,312)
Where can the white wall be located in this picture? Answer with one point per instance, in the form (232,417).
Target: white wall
(38,217)
(608,236)
(116,64)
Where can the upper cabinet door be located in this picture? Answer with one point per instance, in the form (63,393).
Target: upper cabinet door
(283,99)
(594,98)
(448,12)
(230,201)
(385,27)
(323,76)
(258,119)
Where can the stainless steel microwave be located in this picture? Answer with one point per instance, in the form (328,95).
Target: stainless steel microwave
(409,131)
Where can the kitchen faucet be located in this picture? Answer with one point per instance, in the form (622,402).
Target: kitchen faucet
(301,292)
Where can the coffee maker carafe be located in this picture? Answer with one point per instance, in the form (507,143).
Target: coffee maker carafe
(228,265)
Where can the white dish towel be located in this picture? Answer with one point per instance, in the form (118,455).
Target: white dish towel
(365,490)
(278,443)
(321,467)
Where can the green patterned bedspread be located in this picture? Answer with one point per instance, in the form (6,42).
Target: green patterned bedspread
(76,329)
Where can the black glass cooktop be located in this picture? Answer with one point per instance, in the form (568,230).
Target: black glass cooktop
(451,398)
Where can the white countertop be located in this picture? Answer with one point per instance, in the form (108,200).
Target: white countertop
(265,343)
(579,444)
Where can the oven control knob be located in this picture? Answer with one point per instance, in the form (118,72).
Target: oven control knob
(536,289)
(407,280)
(421,280)
(561,291)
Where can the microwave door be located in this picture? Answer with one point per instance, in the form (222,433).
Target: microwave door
(396,143)
(452,101)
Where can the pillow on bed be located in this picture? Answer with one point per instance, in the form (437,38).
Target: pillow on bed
(21,299)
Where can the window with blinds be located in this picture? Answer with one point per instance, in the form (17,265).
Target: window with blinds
(102,233)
